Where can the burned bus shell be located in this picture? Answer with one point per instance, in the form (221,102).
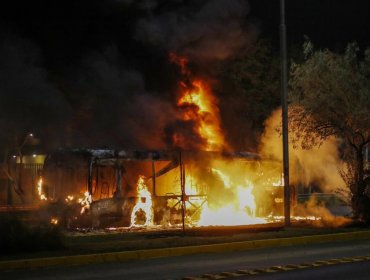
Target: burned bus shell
(109,177)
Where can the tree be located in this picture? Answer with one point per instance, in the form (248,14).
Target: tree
(330,96)
(249,92)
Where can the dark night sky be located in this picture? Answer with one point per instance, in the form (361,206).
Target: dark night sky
(328,23)
(83,72)
(67,29)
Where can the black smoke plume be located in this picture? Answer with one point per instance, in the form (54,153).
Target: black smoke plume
(98,75)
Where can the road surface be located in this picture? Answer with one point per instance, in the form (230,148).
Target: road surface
(357,270)
(197,265)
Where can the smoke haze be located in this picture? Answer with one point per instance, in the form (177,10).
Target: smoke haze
(202,31)
(319,165)
(111,89)
(29,101)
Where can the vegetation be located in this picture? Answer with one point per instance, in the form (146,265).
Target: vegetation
(249,92)
(104,242)
(16,236)
(330,95)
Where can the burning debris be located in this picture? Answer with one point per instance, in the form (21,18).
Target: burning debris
(193,188)
(85,202)
(54,221)
(69,198)
(40,191)
(202,183)
(198,180)
(159,189)
(215,189)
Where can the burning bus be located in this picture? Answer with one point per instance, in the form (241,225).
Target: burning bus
(160,188)
(200,182)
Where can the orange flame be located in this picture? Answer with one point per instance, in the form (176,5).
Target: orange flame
(54,221)
(199,106)
(40,192)
(240,212)
(69,198)
(85,202)
(180,61)
(144,203)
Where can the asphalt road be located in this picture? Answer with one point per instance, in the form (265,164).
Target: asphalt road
(197,265)
(357,270)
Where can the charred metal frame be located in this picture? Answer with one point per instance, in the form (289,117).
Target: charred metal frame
(111,157)
(183,194)
(96,158)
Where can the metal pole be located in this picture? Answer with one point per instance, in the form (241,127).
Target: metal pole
(89,179)
(153,178)
(20,183)
(284,105)
(183,195)
(10,185)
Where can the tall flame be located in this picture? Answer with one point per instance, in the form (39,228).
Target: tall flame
(144,204)
(199,106)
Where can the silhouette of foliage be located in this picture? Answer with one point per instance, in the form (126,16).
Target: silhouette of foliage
(330,96)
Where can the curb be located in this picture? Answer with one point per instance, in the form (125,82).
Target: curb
(180,251)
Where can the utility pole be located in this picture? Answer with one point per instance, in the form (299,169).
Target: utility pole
(183,193)
(284,106)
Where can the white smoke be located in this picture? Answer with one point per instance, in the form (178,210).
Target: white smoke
(318,165)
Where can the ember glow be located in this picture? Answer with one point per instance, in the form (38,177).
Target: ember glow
(54,221)
(143,209)
(69,198)
(296,218)
(280,182)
